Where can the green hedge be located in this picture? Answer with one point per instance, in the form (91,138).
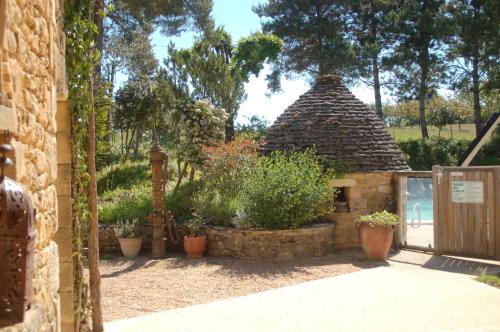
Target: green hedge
(423,154)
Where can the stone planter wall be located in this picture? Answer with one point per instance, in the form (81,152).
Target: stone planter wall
(109,245)
(315,240)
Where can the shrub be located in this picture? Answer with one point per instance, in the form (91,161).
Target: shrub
(137,203)
(180,202)
(490,153)
(423,154)
(126,204)
(123,175)
(379,218)
(283,192)
(223,176)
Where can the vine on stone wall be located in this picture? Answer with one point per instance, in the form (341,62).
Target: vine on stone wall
(81,59)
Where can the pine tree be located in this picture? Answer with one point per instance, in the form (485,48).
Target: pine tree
(475,48)
(417,33)
(316,41)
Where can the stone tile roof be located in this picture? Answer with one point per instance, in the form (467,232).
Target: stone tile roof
(340,127)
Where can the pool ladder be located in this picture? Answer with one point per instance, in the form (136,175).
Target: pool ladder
(416,212)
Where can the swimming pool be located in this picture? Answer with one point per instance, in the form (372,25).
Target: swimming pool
(425,207)
(419,199)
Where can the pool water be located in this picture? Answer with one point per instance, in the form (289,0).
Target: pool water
(425,206)
(419,199)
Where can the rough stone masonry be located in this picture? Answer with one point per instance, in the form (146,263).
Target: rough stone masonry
(32,82)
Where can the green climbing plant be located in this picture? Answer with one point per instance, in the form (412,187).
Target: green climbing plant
(81,59)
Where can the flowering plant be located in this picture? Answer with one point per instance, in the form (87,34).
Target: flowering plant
(200,124)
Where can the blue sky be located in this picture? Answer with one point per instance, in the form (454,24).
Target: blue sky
(239,20)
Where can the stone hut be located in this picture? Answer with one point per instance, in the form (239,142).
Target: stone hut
(345,132)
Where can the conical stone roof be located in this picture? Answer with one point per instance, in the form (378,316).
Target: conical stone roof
(339,126)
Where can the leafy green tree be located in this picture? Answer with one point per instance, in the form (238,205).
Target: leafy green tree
(475,48)
(417,31)
(216,69)
(135,107)
(316,41)
(255,129)
(197,125)
(440,113)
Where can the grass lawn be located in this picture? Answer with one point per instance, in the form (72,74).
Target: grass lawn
(467,132)
(490,279)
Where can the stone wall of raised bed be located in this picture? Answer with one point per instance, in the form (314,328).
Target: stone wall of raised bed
(109,245)
(312,241)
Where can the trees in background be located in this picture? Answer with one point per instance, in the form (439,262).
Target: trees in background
(414,47)
(474,49)
(417,32)
(216,69)
(370,27)
(316,41)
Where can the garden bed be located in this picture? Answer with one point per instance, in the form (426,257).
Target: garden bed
(312,241)
(108,242)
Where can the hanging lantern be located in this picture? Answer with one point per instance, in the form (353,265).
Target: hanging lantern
(17,245)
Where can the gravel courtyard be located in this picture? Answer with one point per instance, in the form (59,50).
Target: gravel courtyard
(144,285)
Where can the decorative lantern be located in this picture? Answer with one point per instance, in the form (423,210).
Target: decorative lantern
(17,245)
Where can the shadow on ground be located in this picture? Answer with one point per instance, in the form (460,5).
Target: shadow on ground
(241,267)
(463,265)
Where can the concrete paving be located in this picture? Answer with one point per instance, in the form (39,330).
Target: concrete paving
(410,293)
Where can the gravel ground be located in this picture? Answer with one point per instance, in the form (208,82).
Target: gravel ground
(145,285)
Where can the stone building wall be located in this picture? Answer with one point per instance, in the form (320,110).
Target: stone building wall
(366,193)
(32,81)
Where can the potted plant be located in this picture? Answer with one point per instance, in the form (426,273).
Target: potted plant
(130,236)
(375,232)
(195,241)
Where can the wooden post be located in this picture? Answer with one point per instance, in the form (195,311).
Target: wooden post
(158,160)
(436,207)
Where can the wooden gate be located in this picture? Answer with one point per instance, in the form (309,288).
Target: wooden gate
(467,211)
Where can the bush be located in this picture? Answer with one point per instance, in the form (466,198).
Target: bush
(223,176)
(137,203)
(423,154)
(180,202)
(285,192)
(490,153)
(123,175)
(126,204)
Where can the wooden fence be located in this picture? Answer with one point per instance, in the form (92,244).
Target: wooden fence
(467,211)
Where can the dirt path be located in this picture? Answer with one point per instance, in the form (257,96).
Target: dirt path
(145,285)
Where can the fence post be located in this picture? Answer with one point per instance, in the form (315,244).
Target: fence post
(158,160)
(436,207)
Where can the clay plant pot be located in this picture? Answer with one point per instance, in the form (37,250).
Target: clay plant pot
(375,240)
(195,246)
(130,247)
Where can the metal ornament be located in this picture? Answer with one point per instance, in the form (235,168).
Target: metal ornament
(17,244)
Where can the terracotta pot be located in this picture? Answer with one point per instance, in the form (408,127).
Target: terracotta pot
(195,246)
(375,240)
(130,247)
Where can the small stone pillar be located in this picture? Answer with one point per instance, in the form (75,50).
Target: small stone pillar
(159,160)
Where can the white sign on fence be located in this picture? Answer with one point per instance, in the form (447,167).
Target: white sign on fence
(467,191)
